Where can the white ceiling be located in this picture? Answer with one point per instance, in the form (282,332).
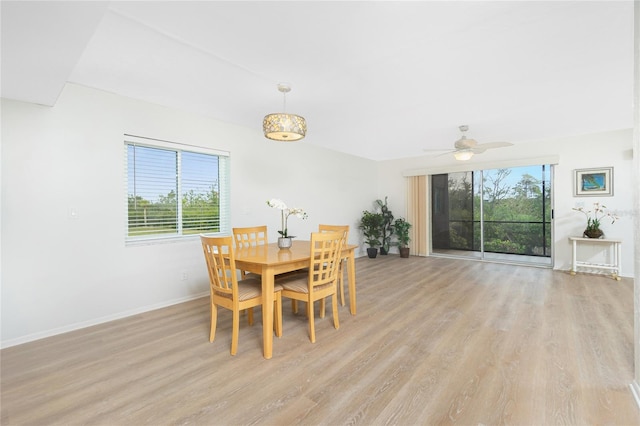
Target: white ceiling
(380,80)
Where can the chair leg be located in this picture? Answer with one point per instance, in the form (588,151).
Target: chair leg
(235,332)
(334,302)
(214,320)
(323,302)
(341,283)
(312,327)
(250,316)
(278,312)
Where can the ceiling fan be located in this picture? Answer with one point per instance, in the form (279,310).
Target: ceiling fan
(465,148)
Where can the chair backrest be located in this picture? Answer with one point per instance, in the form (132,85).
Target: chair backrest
(325,257)
(336,228)
(250,236)
(221,265)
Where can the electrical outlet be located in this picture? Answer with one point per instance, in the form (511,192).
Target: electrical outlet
(185,276)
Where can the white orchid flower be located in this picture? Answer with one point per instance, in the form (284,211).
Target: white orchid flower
(298,212)
(277,203)
(285,213)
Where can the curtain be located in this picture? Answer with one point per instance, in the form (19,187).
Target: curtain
(417,214)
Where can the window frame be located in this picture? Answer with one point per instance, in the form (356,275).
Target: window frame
(224,175)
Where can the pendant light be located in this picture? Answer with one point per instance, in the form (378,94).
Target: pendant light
(284,127)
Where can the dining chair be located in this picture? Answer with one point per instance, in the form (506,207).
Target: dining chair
(229,292)
(319,281)
(343,261)
(250,236)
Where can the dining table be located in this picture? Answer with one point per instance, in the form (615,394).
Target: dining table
(269,260)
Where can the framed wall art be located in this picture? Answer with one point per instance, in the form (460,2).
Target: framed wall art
(594,182)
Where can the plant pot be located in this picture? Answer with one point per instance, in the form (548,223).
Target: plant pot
(372,252)
(593,233)
(383,251)
(284,243)
(404,252)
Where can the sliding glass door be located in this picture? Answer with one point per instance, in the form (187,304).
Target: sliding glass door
(498,214)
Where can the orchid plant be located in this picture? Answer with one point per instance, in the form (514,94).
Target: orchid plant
(285,212)
(599,213)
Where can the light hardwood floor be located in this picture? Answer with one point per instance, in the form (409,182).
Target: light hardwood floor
(435,341)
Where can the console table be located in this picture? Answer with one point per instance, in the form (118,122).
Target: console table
(609,244)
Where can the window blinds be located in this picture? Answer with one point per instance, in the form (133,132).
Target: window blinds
(175,190)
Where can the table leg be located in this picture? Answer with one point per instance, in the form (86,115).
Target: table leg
(574,258)
(352,281)
(617,258)
(267,312)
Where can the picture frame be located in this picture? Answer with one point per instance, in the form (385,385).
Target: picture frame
(597,182)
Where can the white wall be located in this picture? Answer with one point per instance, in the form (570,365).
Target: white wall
(60,273)
(635,386)
(587,151)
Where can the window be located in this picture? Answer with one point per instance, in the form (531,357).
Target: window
(498,213)
(174,190)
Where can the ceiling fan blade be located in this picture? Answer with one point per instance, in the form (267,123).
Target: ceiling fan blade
(471,146)
(438,150)
(490,145)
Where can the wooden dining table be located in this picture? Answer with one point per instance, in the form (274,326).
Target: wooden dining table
(269,261)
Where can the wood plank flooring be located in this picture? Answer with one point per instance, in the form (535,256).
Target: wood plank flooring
(435,342)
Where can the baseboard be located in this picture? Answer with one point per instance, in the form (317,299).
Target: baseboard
(635,390)
(77,326)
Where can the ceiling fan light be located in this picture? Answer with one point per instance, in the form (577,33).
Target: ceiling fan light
(284,127)
(463,155)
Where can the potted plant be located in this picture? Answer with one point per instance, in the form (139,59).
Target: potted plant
(284,241)
(371,225)
(593,222)
(387,226)
(401,230)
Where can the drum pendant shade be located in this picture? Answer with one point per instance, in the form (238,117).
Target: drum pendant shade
(280,126)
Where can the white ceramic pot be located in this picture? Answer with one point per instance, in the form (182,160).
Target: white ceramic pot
(284,243)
